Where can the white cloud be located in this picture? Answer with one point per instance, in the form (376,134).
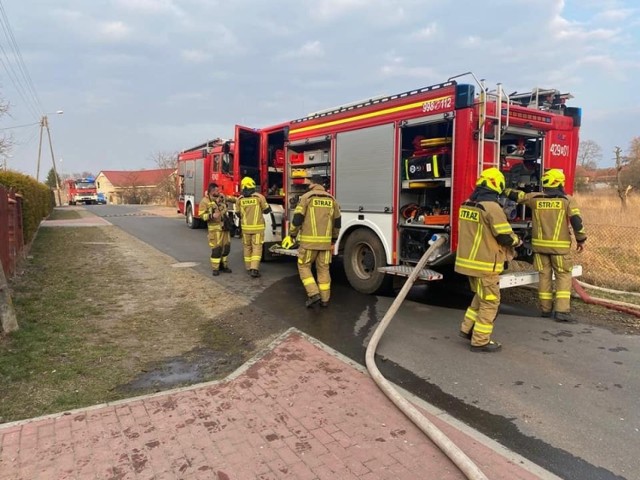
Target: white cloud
(195,56)
(309,50)
(615,14)
(114,31)
(427,32)
(149,6)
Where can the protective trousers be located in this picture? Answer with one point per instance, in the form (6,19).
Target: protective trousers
(322,259)
(252,244)
(220,243)
(561,266)
(483,310)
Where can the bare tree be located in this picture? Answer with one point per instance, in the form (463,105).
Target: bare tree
(167,189)
(589,154)
(6,141)
(631,173)
(621,163)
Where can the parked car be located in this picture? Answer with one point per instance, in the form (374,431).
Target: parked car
(102,199)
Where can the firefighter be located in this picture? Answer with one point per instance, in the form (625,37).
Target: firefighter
(552,212)
(252,205)
(485,242)
(316,224)
(213,210)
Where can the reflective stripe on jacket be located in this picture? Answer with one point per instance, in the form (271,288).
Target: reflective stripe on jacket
(208,206)
(251,210)
(552,214)
(479,254)
(316,219)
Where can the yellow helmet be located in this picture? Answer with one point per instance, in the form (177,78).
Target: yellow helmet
(493,179)
(247,182)
(553,178)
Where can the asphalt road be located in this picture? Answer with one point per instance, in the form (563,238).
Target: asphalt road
(564,396)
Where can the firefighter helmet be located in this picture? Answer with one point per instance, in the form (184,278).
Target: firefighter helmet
(493,179)
(553,178)
(247,182)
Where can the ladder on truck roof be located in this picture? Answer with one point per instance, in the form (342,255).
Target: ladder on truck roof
(490,127)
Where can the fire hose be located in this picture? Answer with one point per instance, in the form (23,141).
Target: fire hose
(629,308)
(457,456)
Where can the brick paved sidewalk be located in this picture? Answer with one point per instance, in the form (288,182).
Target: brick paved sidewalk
(298,412)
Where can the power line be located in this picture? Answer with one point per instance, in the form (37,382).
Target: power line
(20,126)
(21,64)
(19,77)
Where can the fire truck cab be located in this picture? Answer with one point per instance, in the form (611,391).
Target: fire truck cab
(258,154)
(401,165)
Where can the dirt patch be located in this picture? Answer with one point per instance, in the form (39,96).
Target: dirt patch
(103,316)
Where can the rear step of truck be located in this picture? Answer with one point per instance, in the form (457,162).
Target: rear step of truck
(291,252)
(518,279)
(507,280)
(405,271)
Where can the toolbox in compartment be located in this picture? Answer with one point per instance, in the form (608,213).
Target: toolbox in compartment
(428,163)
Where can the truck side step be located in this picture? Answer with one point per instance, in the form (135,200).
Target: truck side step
(518,279)
(405,271)
(276,250)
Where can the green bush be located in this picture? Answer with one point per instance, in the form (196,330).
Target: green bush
(37,200)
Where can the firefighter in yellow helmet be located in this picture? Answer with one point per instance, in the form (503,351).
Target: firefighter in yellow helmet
(252,205)
(552,213)
(485,239)
(316,224)
(213,210)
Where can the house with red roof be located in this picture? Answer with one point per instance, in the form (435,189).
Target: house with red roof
(156,187)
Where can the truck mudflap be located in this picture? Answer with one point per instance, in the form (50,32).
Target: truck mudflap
(518,279)
(405,270)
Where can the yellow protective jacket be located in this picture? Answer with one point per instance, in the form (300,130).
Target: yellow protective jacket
(485,238)
(210,205)
(316,220)
(552,212)
(251,209)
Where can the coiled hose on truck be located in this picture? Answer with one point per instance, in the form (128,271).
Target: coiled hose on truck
(457,456)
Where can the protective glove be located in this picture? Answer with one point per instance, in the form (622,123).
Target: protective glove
(287,242)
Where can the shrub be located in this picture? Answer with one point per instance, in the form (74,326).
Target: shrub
(37,200)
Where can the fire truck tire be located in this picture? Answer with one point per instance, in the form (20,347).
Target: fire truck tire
(192,222)
(363,255)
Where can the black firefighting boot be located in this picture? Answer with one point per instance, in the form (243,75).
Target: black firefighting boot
(466,335)
(225,269)
(312,300)
(546,314)
(215,273)
(490,347)
(324,304)
(565,317)
(254,273)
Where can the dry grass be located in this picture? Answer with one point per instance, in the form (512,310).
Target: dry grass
(97,308)
(612,256)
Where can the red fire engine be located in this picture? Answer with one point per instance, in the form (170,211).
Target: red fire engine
(81,190)
(401,165)
(258,154)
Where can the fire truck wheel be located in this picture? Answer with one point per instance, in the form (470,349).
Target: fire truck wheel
(363,255)
(192,222)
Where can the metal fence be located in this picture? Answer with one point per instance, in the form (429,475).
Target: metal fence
(11,237)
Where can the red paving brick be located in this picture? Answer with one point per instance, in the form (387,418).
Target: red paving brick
(298,412)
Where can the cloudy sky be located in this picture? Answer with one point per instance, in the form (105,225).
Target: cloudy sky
(136,77)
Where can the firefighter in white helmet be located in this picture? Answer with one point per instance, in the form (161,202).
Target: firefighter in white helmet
(252,205)
(485,242)
(213,210)
(552,213)
(316,224)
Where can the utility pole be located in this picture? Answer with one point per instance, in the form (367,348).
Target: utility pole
(44,123)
